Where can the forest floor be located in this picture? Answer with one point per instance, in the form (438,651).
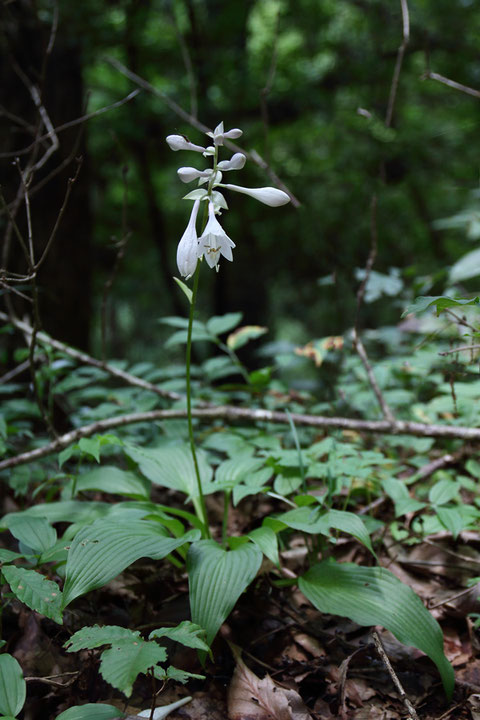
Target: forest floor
(292,662)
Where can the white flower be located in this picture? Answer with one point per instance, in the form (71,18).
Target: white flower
(219,134)
(268,195)
(187,251)
(236,162)
(178,142)
(214,241)
(187,174)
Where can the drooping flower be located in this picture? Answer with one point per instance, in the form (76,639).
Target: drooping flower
(179,142)
(267,195)
(214,241)
(187,251)
(187,174)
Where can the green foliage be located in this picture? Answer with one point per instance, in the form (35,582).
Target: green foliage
(33,589)
(13,687)
(372,596)
(91,711)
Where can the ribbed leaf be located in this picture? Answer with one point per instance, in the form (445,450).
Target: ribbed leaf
(111,479)
(92,637)
(35,591)
(34,532)
(374,596)
(12,686)
(217,578)
(313,520)
(122,663)
(101,551)
(187,633)
(172,467)
(91,711)
(267,541)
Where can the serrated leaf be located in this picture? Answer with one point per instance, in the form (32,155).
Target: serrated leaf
(103,550)
(441,302)
(111,479)
(374,596)
(172,467)
(220,324)
(244,334)
(35,591)
(181,676)
(91,711)
(92,637)
(187,633)
(34,532)
(13,688)
(217,578)
(185,289)
(121,664)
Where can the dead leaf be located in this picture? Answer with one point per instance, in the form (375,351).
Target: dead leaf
(252,698)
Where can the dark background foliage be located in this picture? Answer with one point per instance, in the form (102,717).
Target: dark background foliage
(309,83)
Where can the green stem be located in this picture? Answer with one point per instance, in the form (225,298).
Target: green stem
(201,498)
(226,506)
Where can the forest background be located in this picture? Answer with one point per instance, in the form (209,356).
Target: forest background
(310,84)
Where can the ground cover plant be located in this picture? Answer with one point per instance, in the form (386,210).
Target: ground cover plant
(209,537)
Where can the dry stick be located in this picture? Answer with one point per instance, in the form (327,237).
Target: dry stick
(191,120)
(89,360)
(73,123)
(442,462)
(381,651)
(231,413)
(357,343)
(461,321)
(451,83)
(460,349)
(398,63)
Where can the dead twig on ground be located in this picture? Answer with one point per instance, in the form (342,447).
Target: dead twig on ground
(403,696)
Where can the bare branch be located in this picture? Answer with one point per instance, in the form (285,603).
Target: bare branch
(451,83)
(381,651)
(398,62)
(230,413)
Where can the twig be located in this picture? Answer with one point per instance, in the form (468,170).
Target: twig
(357,343)
(461,321)
(89,360)
(451,83)
(398,62)
(460,349)
(230,413)
(191,120)
(448,459)
(381,651)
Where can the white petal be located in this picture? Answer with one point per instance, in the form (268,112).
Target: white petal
(236,162)
(187,251)
(268,195)
(187,174)
(233,134)
(178,142)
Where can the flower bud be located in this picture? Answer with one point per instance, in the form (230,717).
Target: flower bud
(187,174)
(268,195)
(178,142)
(236,162)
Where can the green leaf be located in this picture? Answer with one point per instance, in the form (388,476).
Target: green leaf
(78,511)
(187,633)
(220,324)
(443,491)
(181,676)
(35,591)
(172,467)
(350,523)
(111,479)
(441,302)
(244,334)
(101,551)
(217,578)
(315,521)
(267,541)
(91,711)
(13,688)
(34,532)
(89,638)
(91,447)
(398,492)
(452,519)
(374,596)
(7,556)
(467,267)
(231,472)
(185,289)
(121,664)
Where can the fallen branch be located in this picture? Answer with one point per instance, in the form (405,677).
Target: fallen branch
(228,412)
